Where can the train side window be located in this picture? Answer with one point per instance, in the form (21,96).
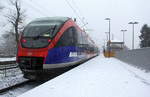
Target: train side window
(84,38)
(69,38)
(74,36)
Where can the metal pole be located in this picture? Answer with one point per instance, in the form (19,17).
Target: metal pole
(133,32)
(133,36)
(123,36)
(5,71)
(108,37)
(109,30)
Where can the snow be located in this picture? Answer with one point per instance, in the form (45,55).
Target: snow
(8,59)
(116,40)
(11,81)
(13,77)
(99,77)
(19,90)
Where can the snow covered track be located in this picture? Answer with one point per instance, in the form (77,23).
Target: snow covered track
(8,66)
(10,74)
(99,77)
(18,90)
(8,63)
(8,60)
(12,83)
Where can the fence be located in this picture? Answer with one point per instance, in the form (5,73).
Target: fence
(137,57)
(6,66)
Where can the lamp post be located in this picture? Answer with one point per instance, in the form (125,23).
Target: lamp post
(108,19)
(106,35)
(133,23)
(123,36)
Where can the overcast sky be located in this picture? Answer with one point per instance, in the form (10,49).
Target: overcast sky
(94,12)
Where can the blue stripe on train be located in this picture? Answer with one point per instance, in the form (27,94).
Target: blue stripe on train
(61,55)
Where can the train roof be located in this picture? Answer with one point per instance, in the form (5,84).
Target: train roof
(49,19)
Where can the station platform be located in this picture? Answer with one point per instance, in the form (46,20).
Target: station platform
(98,77)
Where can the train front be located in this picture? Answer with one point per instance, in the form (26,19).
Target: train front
(34,44)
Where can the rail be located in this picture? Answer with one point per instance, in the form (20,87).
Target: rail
(7,62)
(8,65)
(9,68)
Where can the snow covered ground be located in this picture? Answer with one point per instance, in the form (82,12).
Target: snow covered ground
(12,77)
(8,59)
(99,77)
(19,90)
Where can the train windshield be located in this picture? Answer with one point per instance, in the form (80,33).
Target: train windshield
(39,35)
(43,30)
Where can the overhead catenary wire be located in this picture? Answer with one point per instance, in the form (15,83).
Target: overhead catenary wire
(76,13)
(45,9)
(80,12)
(37,9)
(77,7)
(44,12)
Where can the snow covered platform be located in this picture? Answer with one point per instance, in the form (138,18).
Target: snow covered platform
(99,77)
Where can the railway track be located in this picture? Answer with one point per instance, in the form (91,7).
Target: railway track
(8,64)
(19,89)
(14,86)
(12,82)
(6,67)
(10,76)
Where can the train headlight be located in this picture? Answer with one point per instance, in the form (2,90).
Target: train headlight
(49,40)
(24,41)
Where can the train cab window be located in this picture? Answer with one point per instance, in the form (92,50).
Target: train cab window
(38,34)
(69,38)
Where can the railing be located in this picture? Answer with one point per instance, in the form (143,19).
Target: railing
(5,66)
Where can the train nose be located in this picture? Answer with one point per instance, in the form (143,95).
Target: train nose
(31,63)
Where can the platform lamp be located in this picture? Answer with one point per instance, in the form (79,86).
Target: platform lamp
(133,23)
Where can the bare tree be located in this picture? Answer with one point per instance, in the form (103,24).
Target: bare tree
(16,17)
(9,45)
